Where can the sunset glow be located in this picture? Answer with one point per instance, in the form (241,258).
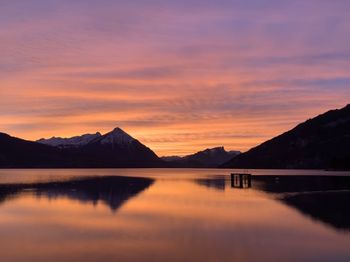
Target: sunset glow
(180,76)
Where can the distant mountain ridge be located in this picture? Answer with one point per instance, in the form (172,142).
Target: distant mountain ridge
(75,141)
(113,149)
(116,136)
(211,157)
(320,143)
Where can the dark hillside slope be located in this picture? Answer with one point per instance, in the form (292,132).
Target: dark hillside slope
(321,142)
(15,152)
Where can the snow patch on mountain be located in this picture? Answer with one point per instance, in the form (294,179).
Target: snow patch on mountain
(75,141)
(116,137)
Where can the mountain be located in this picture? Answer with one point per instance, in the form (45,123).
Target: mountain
(15,152)
(114,149)
(171,158)
(75,141)
(211,157)
(322,142)
(117,149)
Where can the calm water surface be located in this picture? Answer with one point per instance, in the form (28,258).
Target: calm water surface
(171,215)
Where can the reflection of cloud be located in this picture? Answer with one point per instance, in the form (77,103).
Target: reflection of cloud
(220,66)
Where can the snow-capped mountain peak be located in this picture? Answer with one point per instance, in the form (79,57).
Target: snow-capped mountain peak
(116,136)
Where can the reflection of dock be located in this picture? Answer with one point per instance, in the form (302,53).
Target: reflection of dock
(241,180)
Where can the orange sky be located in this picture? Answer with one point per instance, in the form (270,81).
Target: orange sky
(177,76)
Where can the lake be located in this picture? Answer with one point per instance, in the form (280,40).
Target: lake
(173,215)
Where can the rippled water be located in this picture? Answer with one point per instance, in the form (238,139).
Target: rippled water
(171,215)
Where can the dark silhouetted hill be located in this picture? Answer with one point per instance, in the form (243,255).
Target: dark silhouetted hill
(114,149)
(212,157)
(322,142)
(15,152)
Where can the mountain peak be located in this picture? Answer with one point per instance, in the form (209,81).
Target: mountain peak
(216,149)
(117,136)
(118,130)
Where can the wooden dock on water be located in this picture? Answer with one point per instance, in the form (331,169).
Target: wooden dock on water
(241,180)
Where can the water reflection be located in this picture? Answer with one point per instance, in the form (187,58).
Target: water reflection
(185,215)
(113,191)
(323,198)
(217,183)
(332,208)
(283,184)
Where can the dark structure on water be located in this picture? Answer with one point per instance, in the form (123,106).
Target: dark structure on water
(241,180)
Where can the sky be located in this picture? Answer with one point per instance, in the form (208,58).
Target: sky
(180,76)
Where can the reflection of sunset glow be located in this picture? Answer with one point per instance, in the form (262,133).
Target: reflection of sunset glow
(174,219)
(177,76)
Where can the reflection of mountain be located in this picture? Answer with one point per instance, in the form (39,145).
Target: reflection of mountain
(112,190)
(285,184)
(329,207)
(325,198)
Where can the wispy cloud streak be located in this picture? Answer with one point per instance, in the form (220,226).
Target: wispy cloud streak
(179,75)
